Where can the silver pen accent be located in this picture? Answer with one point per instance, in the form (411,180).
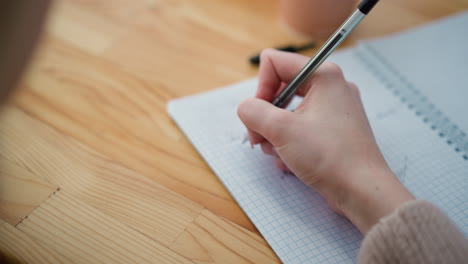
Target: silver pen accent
(328,47)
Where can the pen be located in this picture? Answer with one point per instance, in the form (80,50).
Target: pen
(322,54)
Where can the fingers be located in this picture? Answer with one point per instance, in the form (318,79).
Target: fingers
(326,84)
(356,95)
(327,77)
(276,69)
(355,91)
(268,148)
(266,120)
(280,164)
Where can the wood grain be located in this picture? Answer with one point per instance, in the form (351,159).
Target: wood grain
(25,249)
(132,128)
(85,235)
(20,191)
(90,118)
(210,239)
(121,193)
(92,26)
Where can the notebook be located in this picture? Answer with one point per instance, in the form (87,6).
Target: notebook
(414,86)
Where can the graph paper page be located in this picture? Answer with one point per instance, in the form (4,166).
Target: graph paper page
(294,219)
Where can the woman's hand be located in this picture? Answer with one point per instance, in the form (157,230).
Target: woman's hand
(326,142)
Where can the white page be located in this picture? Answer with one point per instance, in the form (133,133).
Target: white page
(429,167)
(294,219)
(433,58)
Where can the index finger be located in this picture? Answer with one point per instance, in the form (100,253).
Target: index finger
(277,68)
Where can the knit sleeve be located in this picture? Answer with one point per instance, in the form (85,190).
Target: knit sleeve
(417,232)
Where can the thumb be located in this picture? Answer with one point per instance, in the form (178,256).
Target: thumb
(266,120)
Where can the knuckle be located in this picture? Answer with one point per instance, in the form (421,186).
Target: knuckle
(353,87)
(266,53)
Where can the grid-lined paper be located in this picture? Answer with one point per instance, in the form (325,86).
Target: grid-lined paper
(294,219)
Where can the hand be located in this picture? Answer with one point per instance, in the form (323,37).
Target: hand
(326,142)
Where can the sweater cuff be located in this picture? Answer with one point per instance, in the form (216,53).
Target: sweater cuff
(417,232)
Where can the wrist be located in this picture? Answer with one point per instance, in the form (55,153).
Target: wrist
(375,193)
(369,194)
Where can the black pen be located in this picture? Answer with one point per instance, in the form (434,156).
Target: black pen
(332,43)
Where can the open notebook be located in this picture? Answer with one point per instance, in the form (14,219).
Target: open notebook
(414,86)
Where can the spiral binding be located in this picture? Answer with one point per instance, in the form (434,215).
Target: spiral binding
(399,85)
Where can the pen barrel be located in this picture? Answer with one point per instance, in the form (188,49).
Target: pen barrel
(330,45)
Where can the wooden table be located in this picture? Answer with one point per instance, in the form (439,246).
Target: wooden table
(93,170)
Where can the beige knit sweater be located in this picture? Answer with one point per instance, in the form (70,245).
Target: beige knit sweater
(417,232)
